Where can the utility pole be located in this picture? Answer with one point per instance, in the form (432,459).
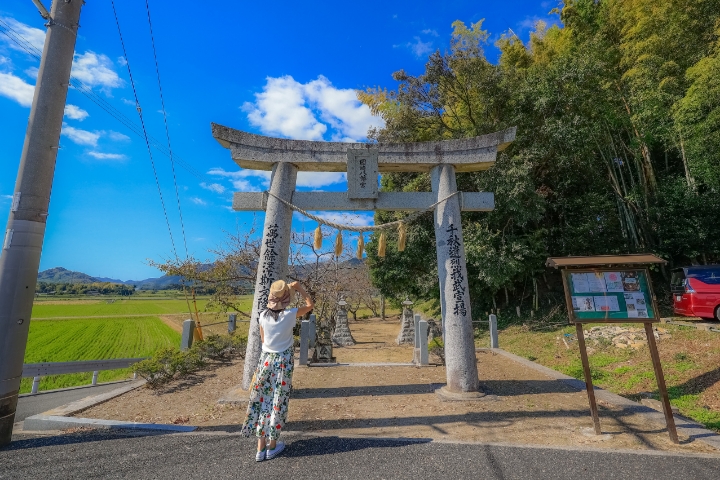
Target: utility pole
(20,254)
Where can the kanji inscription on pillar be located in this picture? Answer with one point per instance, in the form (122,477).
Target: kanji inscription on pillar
(362,174)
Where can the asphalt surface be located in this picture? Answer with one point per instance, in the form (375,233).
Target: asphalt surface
(116,454)
(29,405)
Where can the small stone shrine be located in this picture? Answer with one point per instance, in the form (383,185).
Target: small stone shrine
(323,345)
(342,336)
(407,324)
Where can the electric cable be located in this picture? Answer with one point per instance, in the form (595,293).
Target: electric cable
(142,123)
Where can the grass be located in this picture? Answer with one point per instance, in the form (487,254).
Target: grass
(93,307)
(689,360)
(93,339)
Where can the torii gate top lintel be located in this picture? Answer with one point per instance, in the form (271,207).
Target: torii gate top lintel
(258,152)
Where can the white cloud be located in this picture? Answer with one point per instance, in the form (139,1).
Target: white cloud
(213,187)
(6,197)
(121,61)
(15,88)
(343,218)
(4,60)
(96,70)
(117,136)
(308,111)
(33,36)
(429,31)
(198,201)
(319,179)
(74,112)
(255,180)
(420,48)
(32,72)
(107,156)
(81,137)
(245,180)
(280,109)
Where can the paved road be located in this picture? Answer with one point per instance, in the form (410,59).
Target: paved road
(33,404)
(218,456)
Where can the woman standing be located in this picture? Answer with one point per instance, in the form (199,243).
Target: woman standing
(270,389)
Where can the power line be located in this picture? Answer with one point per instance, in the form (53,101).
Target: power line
(142,123)
(31,50)
(167,130)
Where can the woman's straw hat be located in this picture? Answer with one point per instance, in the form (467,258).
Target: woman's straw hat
(279,297)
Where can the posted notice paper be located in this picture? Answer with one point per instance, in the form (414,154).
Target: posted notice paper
(583,304)
(607,304)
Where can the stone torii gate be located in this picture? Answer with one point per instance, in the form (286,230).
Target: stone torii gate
(363,162)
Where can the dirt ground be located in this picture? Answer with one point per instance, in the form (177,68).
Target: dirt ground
(521,406)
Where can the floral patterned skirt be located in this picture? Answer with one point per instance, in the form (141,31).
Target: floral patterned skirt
(269,395)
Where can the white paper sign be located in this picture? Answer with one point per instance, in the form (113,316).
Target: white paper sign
(596,281)
(613,282)
(580,283)
(606,304)
(636,305)
(583,304)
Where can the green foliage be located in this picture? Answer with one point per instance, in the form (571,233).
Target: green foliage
(618,117)
(171,363)
(98,288)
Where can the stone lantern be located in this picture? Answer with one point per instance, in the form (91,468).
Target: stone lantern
(407,324)
(342,335)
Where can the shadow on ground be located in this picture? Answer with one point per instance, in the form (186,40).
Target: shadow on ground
(496,387)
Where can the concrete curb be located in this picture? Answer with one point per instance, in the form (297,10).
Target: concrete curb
(67,389)
(60,418)
(685,426)
(55,422)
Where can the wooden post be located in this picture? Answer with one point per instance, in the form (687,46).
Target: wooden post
(588,377)
(660,378)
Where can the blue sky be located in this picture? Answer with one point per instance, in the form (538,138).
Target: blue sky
(285,69)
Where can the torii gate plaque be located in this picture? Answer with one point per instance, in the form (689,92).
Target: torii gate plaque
(362,161)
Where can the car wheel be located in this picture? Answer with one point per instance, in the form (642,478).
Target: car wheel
(717,313)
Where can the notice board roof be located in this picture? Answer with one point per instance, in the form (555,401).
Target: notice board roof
(603,260)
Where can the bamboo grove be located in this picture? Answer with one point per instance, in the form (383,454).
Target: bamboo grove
(618,147)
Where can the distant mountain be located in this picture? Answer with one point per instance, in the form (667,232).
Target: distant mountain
(63,275)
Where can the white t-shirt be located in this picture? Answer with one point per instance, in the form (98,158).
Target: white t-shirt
(278,334)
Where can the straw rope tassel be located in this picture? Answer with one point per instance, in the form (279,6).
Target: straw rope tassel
(402,237)
(381,245)
(318,238)
(338,244)
(360,247)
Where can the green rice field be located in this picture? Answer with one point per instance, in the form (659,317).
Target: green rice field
(130,329)
(93,339)
(48,308)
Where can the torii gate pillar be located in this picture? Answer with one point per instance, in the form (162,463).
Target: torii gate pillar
(460,363)
(274,252)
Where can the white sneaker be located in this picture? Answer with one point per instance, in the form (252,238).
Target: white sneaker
(274,452)
(260,456)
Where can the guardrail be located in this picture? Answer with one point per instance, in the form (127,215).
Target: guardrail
(39,370)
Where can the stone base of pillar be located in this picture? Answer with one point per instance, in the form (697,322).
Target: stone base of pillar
(447,396)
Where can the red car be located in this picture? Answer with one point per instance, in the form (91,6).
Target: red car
(696,291)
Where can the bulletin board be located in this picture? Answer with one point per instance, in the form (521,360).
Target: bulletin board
(611,295)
